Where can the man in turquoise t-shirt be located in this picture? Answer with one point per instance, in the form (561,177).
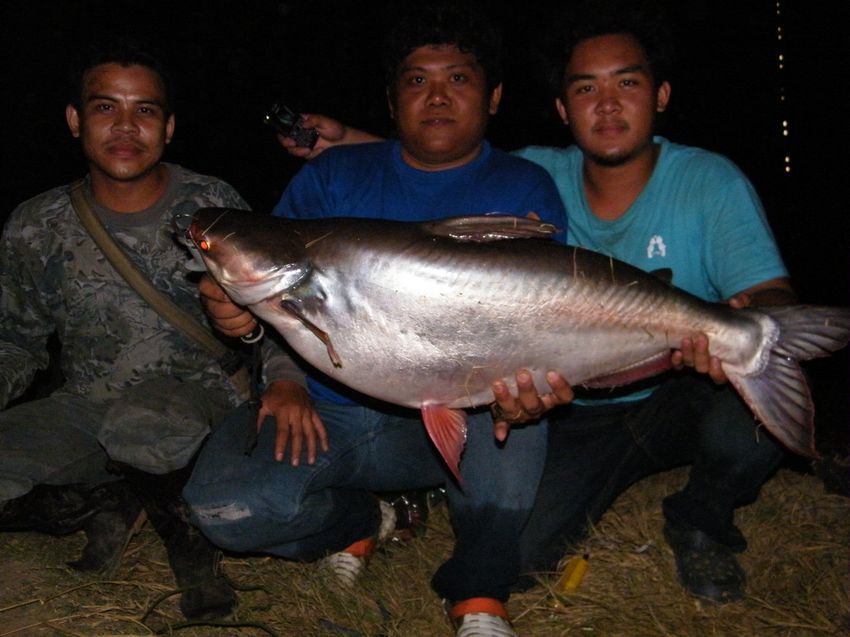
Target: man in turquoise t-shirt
(654,204)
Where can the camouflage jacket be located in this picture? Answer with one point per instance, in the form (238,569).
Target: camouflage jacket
(54,277)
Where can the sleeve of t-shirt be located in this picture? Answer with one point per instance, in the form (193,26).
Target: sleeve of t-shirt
(545,198)
(740,248)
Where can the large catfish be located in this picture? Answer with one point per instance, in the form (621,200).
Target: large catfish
(428,315)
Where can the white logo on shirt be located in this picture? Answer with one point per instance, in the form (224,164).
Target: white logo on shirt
(656,247)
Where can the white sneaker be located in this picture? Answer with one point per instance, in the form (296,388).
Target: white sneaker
(479,617)
(484,625)
(346,566)
(388,521)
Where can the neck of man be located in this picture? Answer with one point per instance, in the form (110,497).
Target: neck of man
(441,162)
(612,189)
(132,195)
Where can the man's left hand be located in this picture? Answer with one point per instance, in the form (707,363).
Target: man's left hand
(529,404)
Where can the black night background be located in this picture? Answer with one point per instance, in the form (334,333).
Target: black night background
(235,58)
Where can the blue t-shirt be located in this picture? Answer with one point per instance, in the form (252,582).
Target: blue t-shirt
(697,215)
(373,181)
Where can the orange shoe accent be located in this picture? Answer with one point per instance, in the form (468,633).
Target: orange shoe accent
(361,548)
(488,605)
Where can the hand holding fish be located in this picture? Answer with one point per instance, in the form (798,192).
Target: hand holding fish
(694,351)
(298,422)
(225,316)
(528,404)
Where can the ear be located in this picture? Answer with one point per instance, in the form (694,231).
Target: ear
(390,103)
(495,98)
(73,119)
(169,128)
(562,111)
(663,97)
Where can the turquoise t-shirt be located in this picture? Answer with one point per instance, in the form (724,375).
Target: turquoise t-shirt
(698,215)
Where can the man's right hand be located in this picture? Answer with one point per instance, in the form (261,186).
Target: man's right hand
(227,317)
(332,132)
(298,424)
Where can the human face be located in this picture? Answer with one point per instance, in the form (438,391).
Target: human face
(610,99)
(121,123)
(441,107)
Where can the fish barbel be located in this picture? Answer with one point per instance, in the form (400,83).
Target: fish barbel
(429,315)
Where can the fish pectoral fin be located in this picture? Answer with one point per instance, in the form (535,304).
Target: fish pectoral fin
(482,229)
(447,430)
(645,369)
(323,336)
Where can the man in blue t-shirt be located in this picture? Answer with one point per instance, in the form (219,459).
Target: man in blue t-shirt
(656,205)
(443,84)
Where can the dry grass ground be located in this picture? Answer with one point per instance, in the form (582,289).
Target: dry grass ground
(797,566)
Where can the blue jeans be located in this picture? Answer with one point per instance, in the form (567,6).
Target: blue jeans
(596,452)
(251,503)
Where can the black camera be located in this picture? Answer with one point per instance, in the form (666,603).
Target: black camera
(288,123)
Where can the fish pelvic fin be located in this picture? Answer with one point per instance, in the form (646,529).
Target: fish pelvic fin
(447,430)
(778,393)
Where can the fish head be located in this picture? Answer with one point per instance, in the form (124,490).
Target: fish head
(247,254)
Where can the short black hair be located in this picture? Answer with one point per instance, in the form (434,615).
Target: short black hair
(125,52)
(458,23)
(644,21)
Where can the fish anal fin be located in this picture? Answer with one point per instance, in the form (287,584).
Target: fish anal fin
(650,367)
(779,397)
(482,229)
(447,430)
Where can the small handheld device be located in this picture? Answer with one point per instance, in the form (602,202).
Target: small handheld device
(288,123)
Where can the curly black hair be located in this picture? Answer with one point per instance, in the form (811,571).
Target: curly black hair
(123,51)
(644,21)
(463,24)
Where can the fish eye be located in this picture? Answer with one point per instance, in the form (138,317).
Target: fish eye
(204,245)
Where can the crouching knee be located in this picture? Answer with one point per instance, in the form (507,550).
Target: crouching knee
(224,524)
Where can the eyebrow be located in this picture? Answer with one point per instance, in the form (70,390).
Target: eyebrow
(626,70)
(449,67)
(111,98)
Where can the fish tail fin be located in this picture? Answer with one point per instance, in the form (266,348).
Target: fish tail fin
(447,430)
(779,394)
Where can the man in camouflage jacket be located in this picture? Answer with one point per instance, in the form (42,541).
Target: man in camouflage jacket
(139,397)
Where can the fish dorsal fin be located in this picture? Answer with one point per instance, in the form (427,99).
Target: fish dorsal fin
(482,229)
(664,275)
(447,430)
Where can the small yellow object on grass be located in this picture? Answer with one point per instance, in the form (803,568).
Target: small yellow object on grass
(572,575)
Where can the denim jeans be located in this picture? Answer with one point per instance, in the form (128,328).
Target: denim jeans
(251,503)
(596,452)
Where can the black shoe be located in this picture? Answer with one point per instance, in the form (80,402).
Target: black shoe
(706,568)
(411,510)
(108,513)
(206,594)
(119,518)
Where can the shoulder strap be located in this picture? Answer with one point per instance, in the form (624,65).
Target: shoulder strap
(164,306)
